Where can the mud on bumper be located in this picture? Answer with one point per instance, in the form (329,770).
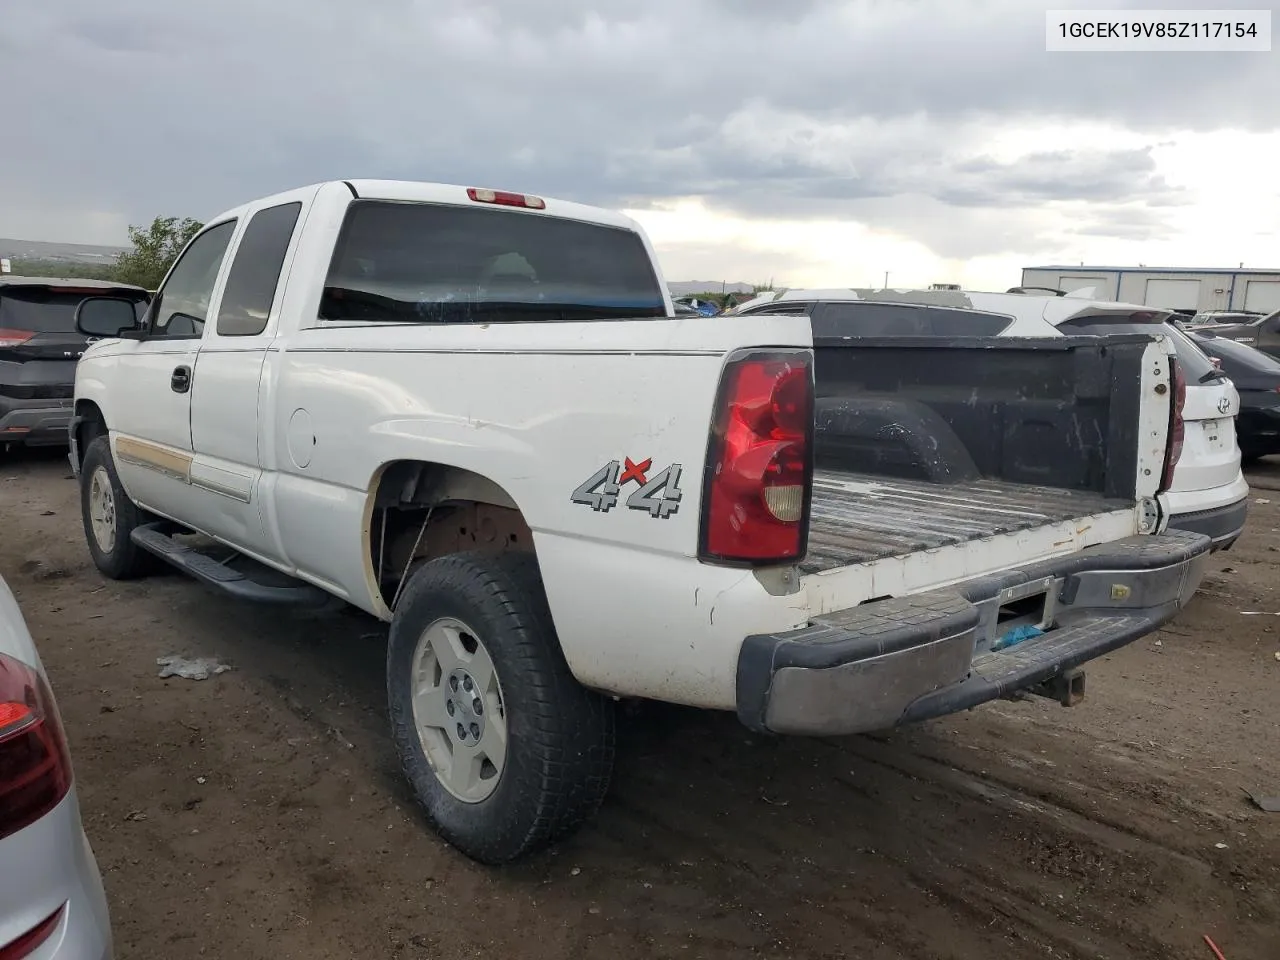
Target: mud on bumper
(912,658)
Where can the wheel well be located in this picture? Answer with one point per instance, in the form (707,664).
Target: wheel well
(92,424)
(421,511)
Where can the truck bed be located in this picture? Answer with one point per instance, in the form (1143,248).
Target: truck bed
(856,517)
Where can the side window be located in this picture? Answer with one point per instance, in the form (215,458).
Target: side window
(777,309)
(255,272)
(179,310)
(873,318)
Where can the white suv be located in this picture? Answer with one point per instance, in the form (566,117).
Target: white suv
(1208,495)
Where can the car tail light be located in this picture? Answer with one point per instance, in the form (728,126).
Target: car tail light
(1177,427)
(759,475)
(35,769)
(29,942)
(14,338)
(501,197)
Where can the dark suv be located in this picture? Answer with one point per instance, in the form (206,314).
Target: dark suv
(39,347)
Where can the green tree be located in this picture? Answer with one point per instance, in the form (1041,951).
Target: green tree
(154,250)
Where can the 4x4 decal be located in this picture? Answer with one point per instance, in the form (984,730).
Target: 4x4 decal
(659,495)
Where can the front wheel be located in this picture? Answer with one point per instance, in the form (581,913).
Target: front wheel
(505,750)
(110,517)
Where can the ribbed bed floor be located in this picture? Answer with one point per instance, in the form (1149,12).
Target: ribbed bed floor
(856,518)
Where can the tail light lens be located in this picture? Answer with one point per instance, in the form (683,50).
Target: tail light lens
(506,199)
(35,769)
(29,942)
(1177,427)
(14,338)
(759,475)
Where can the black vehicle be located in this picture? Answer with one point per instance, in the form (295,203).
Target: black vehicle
(1262,332)
(39,348)
(1257,379)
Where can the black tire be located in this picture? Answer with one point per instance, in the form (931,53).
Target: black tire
(125,560)
(560,736)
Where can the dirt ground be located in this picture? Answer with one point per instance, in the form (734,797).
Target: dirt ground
(260,813)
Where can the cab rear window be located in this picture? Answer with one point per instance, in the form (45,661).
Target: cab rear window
(432,263)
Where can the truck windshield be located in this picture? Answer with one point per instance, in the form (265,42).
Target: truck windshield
(428,263)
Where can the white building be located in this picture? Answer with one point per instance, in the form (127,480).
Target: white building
(1174,288)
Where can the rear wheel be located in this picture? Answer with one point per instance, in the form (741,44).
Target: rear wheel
(110,517)
(505,750)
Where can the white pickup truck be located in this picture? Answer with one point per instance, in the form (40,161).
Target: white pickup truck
(474,414)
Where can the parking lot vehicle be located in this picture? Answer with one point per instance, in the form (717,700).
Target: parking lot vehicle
(1209,493)
(39,347)
(1211,318)
(473,414)
(1256,378)
(52,905)
(1260,332)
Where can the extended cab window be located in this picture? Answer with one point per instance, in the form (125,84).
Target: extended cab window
(428,263)
(255,272)
(179,310)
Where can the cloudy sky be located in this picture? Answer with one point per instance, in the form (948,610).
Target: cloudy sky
(807,141)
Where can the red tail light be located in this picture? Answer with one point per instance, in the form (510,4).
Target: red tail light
(29,942)
(14,338)
(759,475)
(35,769)
(1177,427)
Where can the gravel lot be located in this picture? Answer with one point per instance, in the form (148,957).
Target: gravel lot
(260,813)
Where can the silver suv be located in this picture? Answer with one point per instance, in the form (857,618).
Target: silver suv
(52,904)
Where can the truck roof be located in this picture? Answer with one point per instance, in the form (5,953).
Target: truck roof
(414,191)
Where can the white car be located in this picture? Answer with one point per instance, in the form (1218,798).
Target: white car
(1208,494)
(52,905)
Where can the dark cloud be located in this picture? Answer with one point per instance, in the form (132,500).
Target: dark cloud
(811,109)
(1133,222)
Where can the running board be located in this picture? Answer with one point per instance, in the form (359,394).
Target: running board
(152,538)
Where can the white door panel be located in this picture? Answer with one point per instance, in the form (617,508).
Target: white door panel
(151,421)
(152,380)
(227,411)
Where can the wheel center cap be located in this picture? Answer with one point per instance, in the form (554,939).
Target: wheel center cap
(465,706)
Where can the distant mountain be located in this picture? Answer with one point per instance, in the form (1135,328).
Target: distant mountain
(66,252)
(684,288)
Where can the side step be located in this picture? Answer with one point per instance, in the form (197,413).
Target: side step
(214,573)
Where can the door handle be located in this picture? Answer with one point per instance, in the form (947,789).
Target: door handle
(180,382)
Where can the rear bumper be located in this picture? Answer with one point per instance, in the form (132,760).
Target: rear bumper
(1222,525)
(56,872)
(34,422)
(912,658)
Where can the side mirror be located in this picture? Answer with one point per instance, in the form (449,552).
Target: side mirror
(106,316)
